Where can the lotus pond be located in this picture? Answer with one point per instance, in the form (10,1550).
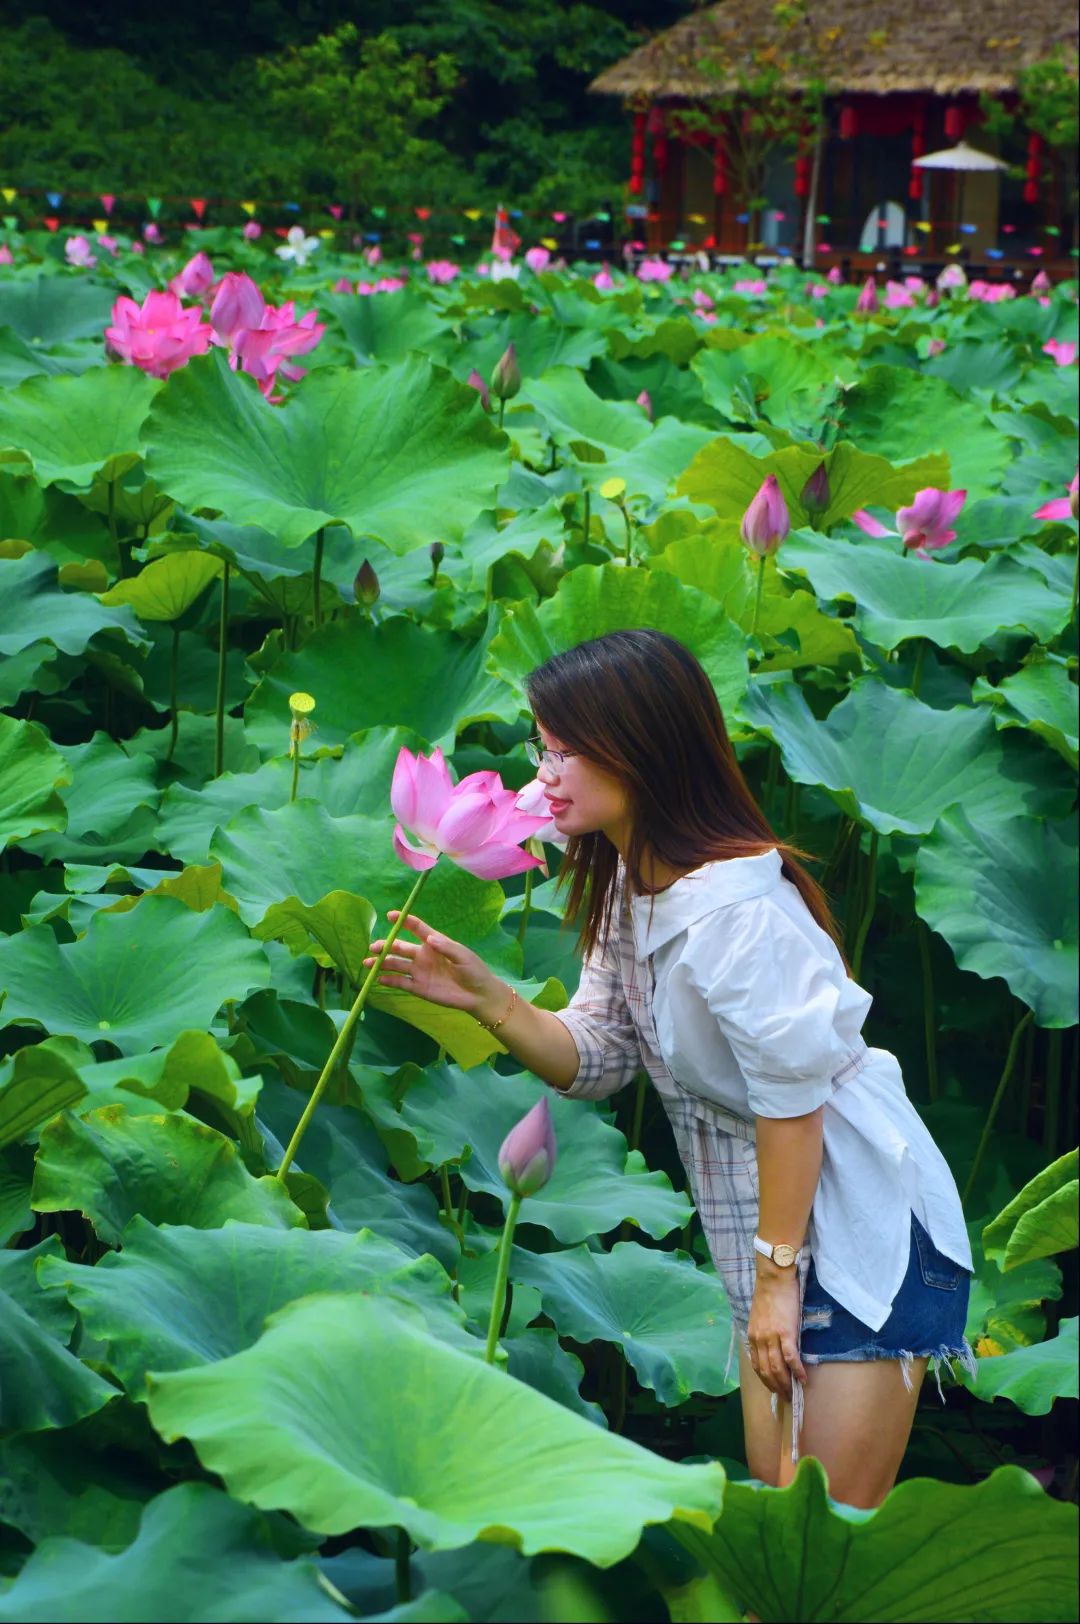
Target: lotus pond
(230,1395)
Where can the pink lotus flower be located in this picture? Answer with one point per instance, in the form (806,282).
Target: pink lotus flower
(441,271)
(867,302)
(933,299)
(158,336)
(766,521)
(6,256)
(936,346)
(152,231)
(196,277)
(897,297)
(835,276)
(1041,283)
(915,284)
(924,526)
(476,823)
(953,276)
(527,1154)
(1064,354)
(756,287)
(655,270)
(537,259)
(475,381)
(385,284)
(990,292)
(1062,507)
(238,305)
(702,300)
(603,280)
(373,254)
(265,351)
(77,252)
(108,243)
(342,285)
(817,290)
(533,801)
(644,400)
(252,231)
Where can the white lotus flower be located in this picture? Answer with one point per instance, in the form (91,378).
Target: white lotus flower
(297,247)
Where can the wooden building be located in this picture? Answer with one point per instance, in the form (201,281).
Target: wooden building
(893,82)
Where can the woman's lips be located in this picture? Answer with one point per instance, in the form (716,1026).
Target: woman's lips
(555,807)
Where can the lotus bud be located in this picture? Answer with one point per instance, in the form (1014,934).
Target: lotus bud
(506,378)
(644,400)
(1041,283)
(766,521)
(868,302)
(366,586)
(933,299)
(437,553)
(527,1154)
(816,495)
(936,346)
(475,381)
(835,276)
(1074,496)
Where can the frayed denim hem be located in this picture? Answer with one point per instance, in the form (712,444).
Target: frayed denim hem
(963,1355)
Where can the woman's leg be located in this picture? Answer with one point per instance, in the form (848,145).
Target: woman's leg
(857,1422)
(761,1430)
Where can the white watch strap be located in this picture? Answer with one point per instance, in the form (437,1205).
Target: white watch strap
(766,1251)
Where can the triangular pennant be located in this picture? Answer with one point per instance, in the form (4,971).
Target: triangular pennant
(11,221)
(422,214)
(51,222)
(326,231)
(107,201)
(281,231)
(248,208)
(198,207)
(548,242)
(100,226)
(559,216)
(379,213)
(8,193)
(294,207)
(458,242)
(154,205)
(336,210)
(472,214)
(54,199)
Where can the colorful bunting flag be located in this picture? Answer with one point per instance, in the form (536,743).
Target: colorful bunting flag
(54,199)
(379,213)
(8,193)
(558,217)
(336,210)
(107,201)
(100,226)
(154,206)
(326,231)
(198,207)
(549,242)
(11,221)
(422,214)
(248,208)
(923,225)
(51,222)
(472,214)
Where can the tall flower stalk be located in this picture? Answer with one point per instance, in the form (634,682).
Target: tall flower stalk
(526,1162)
(765,524)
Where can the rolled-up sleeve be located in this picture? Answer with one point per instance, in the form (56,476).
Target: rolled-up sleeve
(774,994)
(598,1019)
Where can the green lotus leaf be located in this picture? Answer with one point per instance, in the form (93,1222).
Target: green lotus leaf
(486,1581)
(43,1384)
(299,851)
(991,368)
(342,1149)
(611,439)
(671,1319)
(896,763)
(484,1456)
(428,458)
(178,1297)
(111,1164)
(540,345)
(960,605)
(999,1550)
(716,562)
(111,799)
(1041,696)
(67,1483)
(193,1064)
(74,428)
(536,1357)
(727,477)
(42,1082)
(892,410)
(597,598)
(1040,1220)
(1009,1309)
(193,1543)
(432,682)
(463,1038)
(52,522)
(49,310)
(672,391)
(596,1184)
(523,534)
(1031,1377)
(675,338)
(33,772)
(336,930)
(166,588)
(135,979)
(37,611)
(787,383)
(1004,896)
(385,330)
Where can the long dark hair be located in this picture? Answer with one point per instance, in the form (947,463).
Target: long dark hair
(639,704)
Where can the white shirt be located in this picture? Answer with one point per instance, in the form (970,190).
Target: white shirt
(754,1011)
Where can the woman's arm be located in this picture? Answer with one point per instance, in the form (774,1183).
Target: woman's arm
(789,1151)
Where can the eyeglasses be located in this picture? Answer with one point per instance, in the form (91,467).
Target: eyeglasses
(540,757)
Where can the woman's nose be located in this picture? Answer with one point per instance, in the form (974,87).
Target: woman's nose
(547,773)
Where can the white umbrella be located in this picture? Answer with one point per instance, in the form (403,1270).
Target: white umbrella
(967,160)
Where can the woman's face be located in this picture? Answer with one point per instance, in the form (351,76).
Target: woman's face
(583,797)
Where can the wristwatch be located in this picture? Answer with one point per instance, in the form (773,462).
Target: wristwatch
(782,1255)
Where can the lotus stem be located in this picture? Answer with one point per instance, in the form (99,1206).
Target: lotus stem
(316,578)
(868,906)
(995,1103)
(629,534)
(1052,1092)
(344,1037)
(639,1111)
(588,518)
(526,907)
(174,671)
(223,649)
(916,674)
(402,1578)
(757,597)
(463,1205)
(502,409)
(295,770)
(502,1269)
(619,1418)
(922,935)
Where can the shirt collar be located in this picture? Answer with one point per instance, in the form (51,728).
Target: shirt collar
(713,885)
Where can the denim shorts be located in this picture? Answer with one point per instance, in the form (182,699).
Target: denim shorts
(928,1316)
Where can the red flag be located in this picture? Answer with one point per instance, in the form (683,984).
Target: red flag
(198,205)
(51,221)
(422,214)
(336,210)
(505,242)
(107,201)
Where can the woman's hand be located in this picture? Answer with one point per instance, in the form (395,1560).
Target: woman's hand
(773,1332)
(440,969)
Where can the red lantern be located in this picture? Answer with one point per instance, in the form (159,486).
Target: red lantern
(1031,191)
(802,177)
(719,167)
(954,122)
(637,155)
(915,185)
(849,123)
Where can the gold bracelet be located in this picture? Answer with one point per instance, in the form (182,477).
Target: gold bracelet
(494,1024)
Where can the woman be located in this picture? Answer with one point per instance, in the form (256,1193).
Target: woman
(712,960)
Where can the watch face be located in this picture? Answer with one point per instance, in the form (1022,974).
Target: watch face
(784,1256)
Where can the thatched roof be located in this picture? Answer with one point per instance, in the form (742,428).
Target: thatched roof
(869,46)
